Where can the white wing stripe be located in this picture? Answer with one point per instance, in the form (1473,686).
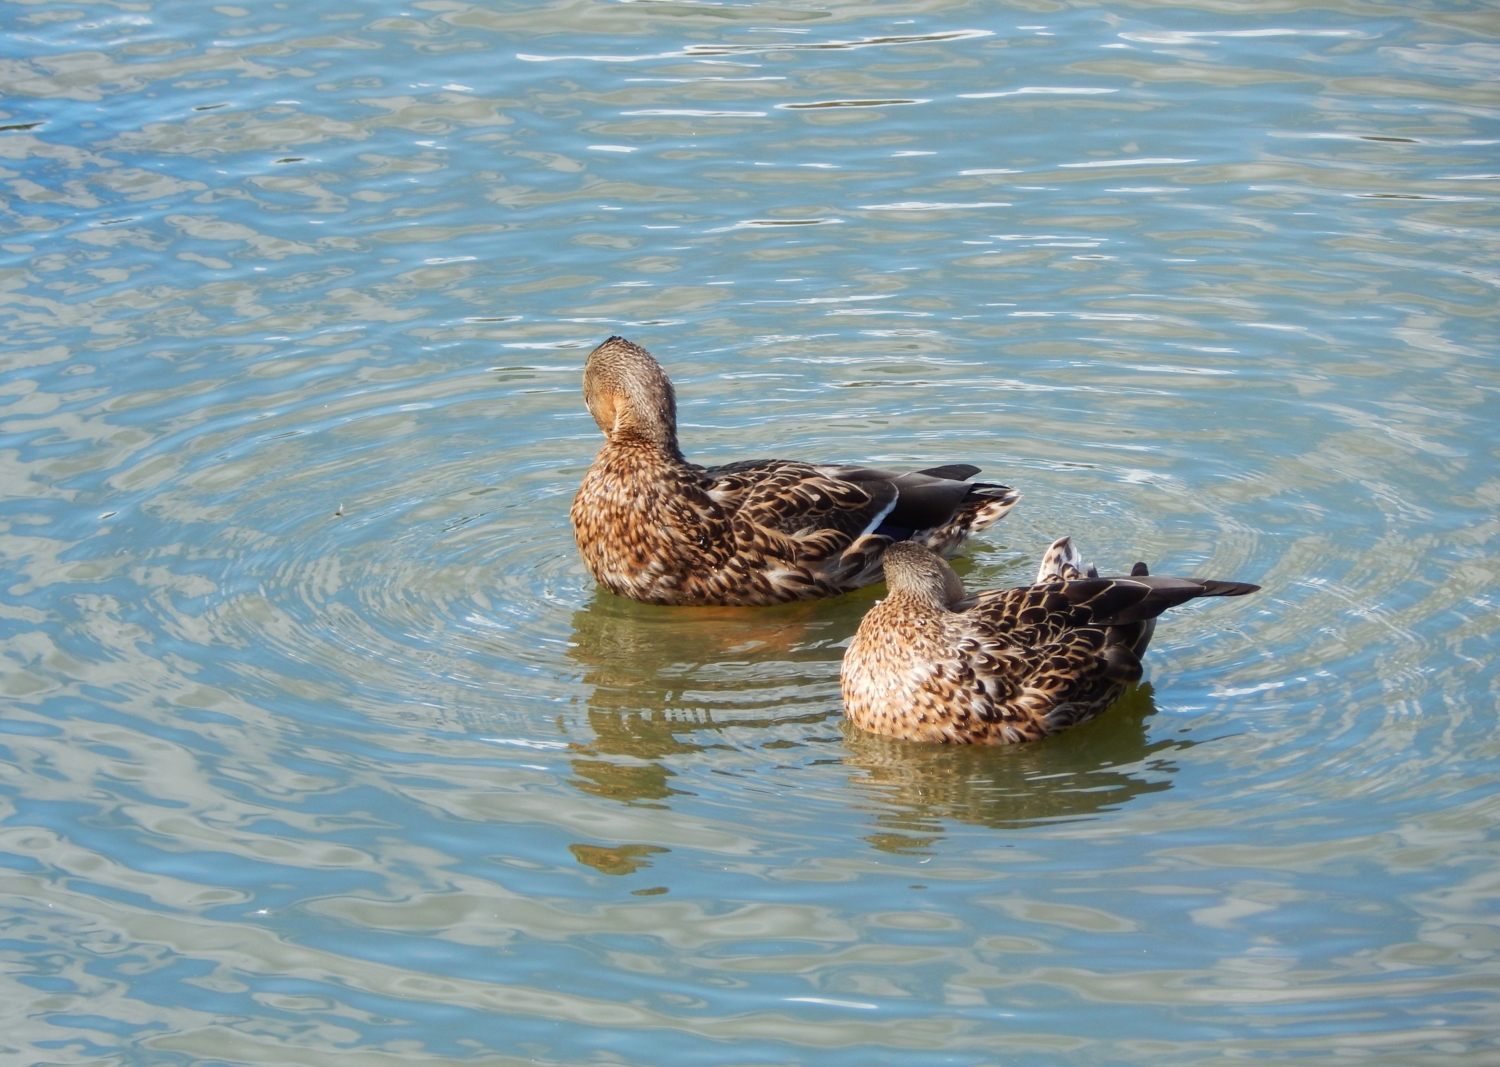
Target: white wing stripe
(878,519)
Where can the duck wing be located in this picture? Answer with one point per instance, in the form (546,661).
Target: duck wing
(792,497)
(1030,691)
(1123,607)
(800,498)
(924,499)
(1059,653)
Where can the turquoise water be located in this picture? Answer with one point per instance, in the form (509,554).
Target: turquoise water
(319,743)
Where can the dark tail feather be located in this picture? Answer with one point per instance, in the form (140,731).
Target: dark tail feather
(1118,601)
(959,472)
(1127,607)
(1134,626)
(1213,588)
(1165,593)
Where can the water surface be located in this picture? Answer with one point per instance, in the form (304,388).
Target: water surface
(319,740)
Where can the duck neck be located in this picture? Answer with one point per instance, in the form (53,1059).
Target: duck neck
(927,601)
(659,445)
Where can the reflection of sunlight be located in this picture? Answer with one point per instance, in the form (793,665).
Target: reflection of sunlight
(1093,768)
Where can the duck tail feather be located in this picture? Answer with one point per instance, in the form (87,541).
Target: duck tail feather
(1149,596)
(958,472)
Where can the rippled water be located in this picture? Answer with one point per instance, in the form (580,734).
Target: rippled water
(319,741)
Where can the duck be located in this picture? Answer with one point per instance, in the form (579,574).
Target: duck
(656,528)
(931,662)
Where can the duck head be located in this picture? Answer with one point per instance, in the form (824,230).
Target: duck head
(629,394)
(916,573)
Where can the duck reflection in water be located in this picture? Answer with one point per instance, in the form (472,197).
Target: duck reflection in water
(660,675)
(1022,665)
(665,681)
(1093,768)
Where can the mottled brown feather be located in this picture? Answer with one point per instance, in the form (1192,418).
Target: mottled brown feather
(654,527)
(930,664)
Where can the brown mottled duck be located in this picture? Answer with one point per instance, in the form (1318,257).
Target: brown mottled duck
(654,527)
(930,663)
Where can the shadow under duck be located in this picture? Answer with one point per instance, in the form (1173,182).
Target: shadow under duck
(930,663)
(653,527)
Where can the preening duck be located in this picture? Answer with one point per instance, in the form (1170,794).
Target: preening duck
(654,527)
(930,663)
